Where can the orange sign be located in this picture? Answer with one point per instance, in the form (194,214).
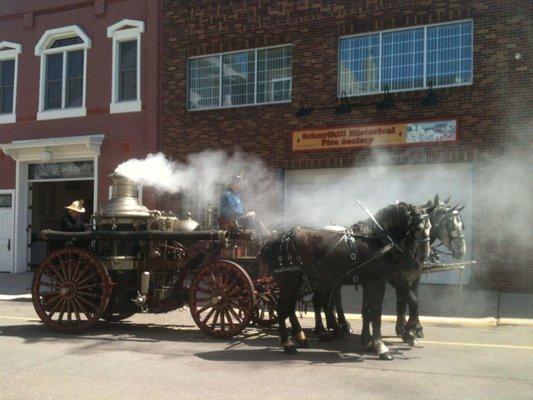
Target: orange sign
(373,135)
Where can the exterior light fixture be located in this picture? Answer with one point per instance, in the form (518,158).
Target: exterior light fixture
(431,98)
(343,105)
(305,109)
(387,101)
(46,156)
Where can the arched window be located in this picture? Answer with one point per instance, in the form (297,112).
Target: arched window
(63,53)
(9,53)
(126,71)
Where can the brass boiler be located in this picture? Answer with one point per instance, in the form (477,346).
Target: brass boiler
(124,212)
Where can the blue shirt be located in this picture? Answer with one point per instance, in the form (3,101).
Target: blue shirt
(231,204)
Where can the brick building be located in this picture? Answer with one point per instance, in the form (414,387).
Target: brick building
(79,88)
(321,90)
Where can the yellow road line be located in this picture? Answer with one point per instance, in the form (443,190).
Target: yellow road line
(501,346)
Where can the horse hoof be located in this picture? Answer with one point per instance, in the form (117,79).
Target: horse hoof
(419,333)
(304,344)
(290,349)
(409,338)
(387,356)
(368,347)
(400,330)
(347,329)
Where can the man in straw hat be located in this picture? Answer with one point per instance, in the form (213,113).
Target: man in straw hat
(71,221)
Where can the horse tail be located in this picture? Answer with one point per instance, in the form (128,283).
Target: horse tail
(266,258)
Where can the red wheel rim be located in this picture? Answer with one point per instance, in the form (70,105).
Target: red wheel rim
(70,290)
(222,299)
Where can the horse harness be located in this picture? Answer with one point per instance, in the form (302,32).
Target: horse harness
(289,259)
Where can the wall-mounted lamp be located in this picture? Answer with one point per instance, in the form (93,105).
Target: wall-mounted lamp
(431,98)
(387,101)
(305,109)
(46,155)
(343,105)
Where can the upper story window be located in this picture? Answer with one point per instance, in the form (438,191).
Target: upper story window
(8,81)
(63,53)
(249,77)
(126,70)
(406,59)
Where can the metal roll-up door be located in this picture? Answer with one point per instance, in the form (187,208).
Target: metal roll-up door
(320,197)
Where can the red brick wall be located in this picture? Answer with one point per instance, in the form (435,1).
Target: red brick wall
(126,135)
(492,113)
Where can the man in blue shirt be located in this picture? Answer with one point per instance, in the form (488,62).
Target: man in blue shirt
(232,207)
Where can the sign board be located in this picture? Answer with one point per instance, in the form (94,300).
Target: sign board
(357,136)
(61,170)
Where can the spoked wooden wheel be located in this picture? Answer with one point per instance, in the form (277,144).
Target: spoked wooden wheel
(70,290)
(222,299)
(265,314)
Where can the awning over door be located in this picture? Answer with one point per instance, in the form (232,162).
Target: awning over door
(54,149)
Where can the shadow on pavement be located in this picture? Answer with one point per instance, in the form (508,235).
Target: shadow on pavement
(276,355)
(263,345)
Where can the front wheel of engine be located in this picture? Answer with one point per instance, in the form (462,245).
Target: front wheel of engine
(222,299)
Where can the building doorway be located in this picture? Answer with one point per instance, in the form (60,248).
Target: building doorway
(52,187)
(47,206)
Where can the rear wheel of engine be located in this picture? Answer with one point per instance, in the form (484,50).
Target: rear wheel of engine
(70,290)
(222,299)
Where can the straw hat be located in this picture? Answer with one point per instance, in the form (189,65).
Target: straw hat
(77,206)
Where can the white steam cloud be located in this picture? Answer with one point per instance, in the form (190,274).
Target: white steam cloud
(321,197)
(203,174)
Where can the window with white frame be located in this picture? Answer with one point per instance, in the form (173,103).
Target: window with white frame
(8,81)
(233,79)
(63,53)
(406,59)
(126,70)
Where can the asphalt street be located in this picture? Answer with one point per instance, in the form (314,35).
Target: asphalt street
(166,357)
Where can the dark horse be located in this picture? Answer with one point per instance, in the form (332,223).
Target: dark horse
(447,226)
(302,259)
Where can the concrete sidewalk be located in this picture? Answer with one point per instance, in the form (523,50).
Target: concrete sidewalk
(15,286)
(435,300)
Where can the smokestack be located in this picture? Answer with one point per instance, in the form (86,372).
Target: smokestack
(125,200)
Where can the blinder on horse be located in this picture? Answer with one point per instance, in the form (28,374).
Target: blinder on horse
(450,224)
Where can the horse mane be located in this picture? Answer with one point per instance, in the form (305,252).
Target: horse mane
(391,218)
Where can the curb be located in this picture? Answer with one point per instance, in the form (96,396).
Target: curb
(516,321)
(428,320)
(448,321)
(15,297)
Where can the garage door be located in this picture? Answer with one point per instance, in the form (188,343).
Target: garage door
(320,197)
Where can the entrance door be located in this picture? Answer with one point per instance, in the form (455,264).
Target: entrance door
(7,214)
(48,201)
